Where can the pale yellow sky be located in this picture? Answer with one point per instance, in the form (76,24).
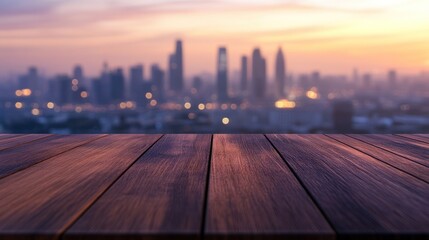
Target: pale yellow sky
(332,36)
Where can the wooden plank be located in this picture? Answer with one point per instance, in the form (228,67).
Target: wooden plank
(415,137)
(13,140)
(423,135)
(43,200)
(7,135)
(359,195)
(413,150)
(160,196)
(253,194)
(394,160)
(23,156)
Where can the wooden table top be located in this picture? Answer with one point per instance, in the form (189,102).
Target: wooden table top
(195,186)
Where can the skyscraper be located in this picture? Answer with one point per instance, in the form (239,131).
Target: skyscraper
(259,74)
(136,81)
(244,74)
(280,73)
(78,74)
(117,85)
(157,79)
(176,68)
(222,75)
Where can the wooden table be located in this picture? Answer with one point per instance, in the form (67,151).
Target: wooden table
(214,186)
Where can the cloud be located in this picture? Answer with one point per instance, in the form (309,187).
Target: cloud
(25,7)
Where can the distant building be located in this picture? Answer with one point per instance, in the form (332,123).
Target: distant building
(117,86)
(61,88)
(222,75)
(175,68)
(342,116)
(392,78)
(244,74)
(280,73)
(78,74)
(31,81)
(157,79)
(197,83)
(259,74)
(136,81)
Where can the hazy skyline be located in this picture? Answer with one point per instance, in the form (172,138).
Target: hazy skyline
(332,36)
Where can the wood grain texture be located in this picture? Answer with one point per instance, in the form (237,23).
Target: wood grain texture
(161,196)
(416,137)
(12,140)
(399,162)
(359,195)
(23,156)
(253,194)
(43,200)
(413,150)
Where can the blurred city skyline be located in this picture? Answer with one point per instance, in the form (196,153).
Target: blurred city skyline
(329,36)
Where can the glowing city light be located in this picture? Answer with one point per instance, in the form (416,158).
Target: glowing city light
(123,105)
(84,94)
(187,105)
(26,92)
(234,106)
(78,109)
(312,93)
(129,104)
(19,105)
(284,103)
(74,88)
(209,106)
(18,93)
(225,121)
(75,82)
(153,103)
(35,112)
(148,95)
(50,105)
(201,106)
(224,106)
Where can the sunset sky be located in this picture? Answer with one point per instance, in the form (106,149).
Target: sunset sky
(332,36)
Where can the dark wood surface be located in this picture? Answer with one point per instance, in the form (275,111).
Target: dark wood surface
(414,150)
(163,192)
(252,191)
(214,186)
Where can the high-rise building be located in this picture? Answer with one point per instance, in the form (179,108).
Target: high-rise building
(62,89)
(244,74)
(78,74)
(176,68)
(117,86)
(136,81)
(259,74)
(157,79)
(222,75)
(280,73)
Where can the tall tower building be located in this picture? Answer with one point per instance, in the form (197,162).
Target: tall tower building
(259,74)
(244,74)
(222,75)
(176,68)
(280,73)
(78,74)
(157,79)
(136,81)
(117,86)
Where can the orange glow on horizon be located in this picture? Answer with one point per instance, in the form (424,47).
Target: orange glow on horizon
(331,36)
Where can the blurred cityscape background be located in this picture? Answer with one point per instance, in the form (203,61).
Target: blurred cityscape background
(148,99)
(222,66)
